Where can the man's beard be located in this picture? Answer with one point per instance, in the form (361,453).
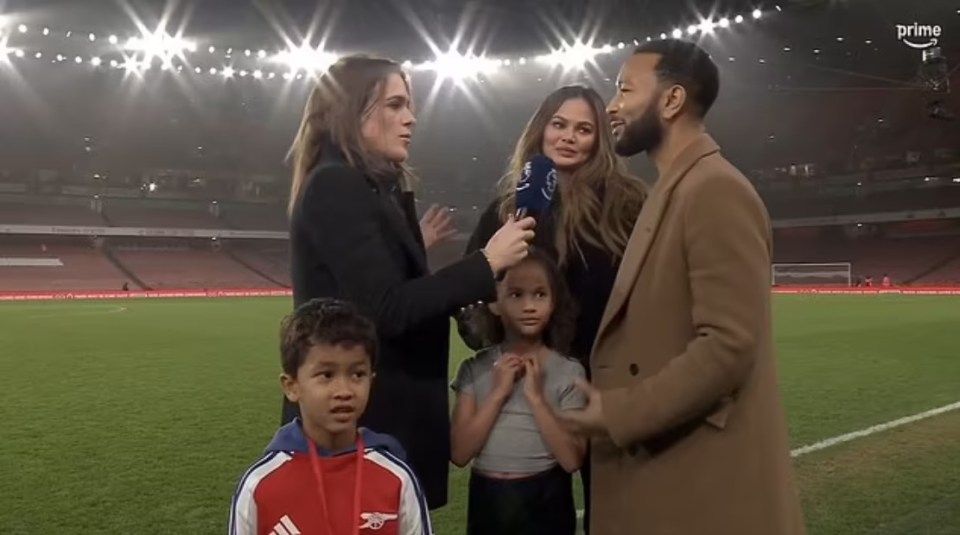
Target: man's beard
(642,135)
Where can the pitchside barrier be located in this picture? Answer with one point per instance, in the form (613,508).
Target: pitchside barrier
(270,292)
(918,290)
(151,294)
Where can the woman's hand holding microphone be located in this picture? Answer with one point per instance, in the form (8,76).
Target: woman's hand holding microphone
(510,244)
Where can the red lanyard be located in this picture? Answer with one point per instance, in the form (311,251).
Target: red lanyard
(318,473)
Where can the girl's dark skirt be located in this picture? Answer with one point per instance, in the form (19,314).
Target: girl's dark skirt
(541,504)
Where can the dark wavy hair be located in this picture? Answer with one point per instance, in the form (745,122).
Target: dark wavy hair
(559,333)
(324,321)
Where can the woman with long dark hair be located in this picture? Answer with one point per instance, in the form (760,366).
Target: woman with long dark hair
(354,236)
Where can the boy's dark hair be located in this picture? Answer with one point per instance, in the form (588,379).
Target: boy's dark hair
(686,64)
(559,333)
(324,321)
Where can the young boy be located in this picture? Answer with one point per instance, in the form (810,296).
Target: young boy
(321,475)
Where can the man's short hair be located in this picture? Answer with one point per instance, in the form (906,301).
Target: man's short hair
(328,322)
(686,64)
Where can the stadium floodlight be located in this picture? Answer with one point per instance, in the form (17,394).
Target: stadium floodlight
(452,65)
(812,274)
(572,56)
(306,58)
(160,44)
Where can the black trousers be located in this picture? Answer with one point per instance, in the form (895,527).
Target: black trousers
(541,504)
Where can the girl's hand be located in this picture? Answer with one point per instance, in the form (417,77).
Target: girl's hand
(533,380)
(506,370)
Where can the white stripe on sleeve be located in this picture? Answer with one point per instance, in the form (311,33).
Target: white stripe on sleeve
(243,510)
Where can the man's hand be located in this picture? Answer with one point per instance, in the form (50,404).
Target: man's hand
(588,421)
(436,225)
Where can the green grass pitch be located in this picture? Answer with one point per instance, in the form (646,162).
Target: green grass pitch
(139,416)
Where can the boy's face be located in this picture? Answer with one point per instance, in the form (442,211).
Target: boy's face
(331,387)
(525,300)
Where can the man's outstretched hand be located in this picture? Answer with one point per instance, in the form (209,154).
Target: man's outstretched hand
(588,421)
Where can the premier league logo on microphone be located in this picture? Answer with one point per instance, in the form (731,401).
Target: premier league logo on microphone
(524,181)
(536,186)
(550,186)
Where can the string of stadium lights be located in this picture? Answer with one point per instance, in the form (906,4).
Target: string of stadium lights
(164,52)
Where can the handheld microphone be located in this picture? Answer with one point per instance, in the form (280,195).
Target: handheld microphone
(536,187)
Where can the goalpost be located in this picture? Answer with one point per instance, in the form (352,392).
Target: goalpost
(810,274)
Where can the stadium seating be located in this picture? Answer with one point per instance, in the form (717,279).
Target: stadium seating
(948,274)
(255,218)
(905,260)
(137,216)
(84,268)
(273,263)
(892,201)
(41,214)
(189,268)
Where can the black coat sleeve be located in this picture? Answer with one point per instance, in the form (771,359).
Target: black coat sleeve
(342,219)
(472,324)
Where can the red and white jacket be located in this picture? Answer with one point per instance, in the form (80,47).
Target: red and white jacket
(290,492)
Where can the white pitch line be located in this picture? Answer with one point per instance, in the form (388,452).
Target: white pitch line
(830,442)
(91,311)
(879,428)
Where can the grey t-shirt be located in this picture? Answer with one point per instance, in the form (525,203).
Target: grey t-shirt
(515,444)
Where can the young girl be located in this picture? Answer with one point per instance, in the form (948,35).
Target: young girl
(504,418)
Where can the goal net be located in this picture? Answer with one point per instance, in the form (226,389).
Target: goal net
(830,274)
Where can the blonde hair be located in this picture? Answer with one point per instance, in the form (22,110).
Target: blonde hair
(584,216)
(334,114)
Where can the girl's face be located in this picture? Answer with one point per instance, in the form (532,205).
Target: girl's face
(387,127)
(525,301)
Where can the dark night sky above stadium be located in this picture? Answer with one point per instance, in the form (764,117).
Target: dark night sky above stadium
(787,79)
(500,26)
